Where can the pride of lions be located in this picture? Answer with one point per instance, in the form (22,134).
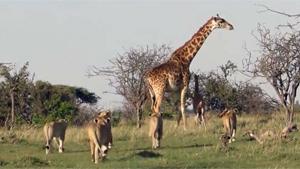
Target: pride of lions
(98,131)
(100,135)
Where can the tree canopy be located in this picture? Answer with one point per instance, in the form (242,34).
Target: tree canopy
(24,101)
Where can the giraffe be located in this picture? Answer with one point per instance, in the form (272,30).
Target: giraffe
(174,74)
(198,103)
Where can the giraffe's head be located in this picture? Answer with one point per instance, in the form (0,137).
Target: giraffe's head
(221,23)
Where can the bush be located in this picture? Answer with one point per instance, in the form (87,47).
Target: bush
(38,119)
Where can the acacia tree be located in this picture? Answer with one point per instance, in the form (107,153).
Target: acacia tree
(279,63)
(228,69)
(127,72)
(16,84)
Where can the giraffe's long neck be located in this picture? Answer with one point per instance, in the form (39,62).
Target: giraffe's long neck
(186,53)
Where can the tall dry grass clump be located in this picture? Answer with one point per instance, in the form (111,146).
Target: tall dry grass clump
(36,134)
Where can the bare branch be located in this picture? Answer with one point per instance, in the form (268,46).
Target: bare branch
(288,24)
(267,9)
(278,61)
(127,70)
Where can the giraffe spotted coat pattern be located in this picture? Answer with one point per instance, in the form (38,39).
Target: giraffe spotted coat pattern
(174,75)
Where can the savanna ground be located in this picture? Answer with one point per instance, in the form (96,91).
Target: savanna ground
(195,148)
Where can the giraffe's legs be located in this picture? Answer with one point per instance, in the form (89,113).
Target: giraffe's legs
(153,99)
(203,121)
(178,111)
(156,93)
(158,100)
(198,115)
(182,105)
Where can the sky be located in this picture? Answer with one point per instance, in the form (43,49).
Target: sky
(63,39)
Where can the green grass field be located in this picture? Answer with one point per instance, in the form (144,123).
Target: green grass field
(195,148)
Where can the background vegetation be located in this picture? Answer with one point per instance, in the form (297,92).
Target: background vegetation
(23,101)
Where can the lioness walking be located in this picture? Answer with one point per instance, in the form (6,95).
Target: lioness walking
(55,130)
(229,122)
(107,115)
(99,134)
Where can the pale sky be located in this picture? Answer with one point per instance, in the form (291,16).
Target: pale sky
(61,39)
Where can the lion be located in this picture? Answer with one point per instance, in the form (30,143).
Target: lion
(260,138)
(288,129)
(99,134)
(156,129)
(229,122)
(107,115)
(55,130)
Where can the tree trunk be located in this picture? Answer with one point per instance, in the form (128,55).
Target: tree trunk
(139,113)
(292,111)
(289,117)
(6,124)
(139,110)
(12,108)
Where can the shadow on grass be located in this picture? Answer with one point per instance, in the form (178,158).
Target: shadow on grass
(165,147)
(148,154)
(187,146)
(143,153)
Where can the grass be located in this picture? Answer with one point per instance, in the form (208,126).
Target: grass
(195,148)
